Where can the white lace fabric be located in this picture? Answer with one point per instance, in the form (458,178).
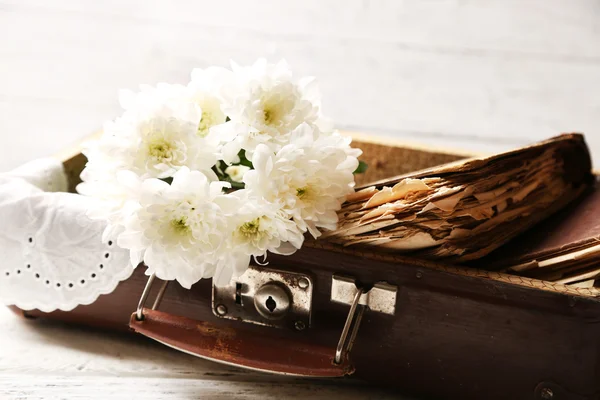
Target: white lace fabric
(51,254)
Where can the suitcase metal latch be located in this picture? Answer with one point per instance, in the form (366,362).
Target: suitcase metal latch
(380,298)
(268,297)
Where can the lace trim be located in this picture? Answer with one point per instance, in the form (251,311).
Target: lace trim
(53,257)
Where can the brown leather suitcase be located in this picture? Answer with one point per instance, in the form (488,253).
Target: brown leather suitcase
(428,328)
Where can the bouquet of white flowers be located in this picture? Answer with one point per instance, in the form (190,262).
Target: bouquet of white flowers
(198,179)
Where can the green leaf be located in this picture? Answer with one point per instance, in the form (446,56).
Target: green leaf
(243,160)
(169,180)
(221,167)
(236,185)
(362,168)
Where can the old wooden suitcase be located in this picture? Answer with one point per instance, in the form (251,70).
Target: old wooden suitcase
(428,328)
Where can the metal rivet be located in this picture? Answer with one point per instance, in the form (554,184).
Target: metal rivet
(221,309)
(419,274)
(299,325)
(303,283)
(546,393)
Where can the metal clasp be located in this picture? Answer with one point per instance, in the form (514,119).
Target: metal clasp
(380,298)
(266,296)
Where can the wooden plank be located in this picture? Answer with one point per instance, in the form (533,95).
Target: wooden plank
(127,388)
(42,359)
(530,29)
(461,86)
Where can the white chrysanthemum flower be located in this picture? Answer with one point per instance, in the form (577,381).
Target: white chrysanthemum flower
(265,104)
(157,168)
(257,228)
(163,145)
(205,87)
(179,230)
(309,178)
(153,148)
(120,193)
(236,172)
(260,226)
(160,143)
(155,137)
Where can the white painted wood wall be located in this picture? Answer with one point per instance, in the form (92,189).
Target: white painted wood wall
(482,75)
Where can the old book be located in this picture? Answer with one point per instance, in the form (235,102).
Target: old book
(565,248)
(464,210)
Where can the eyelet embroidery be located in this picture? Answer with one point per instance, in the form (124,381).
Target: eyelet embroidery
(75,263)
(58,285)
(30,241)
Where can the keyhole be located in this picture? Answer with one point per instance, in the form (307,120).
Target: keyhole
(271,304)
(238,294)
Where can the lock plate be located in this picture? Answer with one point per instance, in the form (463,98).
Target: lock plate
(266,296)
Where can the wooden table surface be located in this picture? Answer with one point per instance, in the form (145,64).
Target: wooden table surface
(49,360)
(483,75)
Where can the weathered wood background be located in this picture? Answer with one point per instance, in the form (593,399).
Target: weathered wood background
(483,75)
(47,360)
(479,75)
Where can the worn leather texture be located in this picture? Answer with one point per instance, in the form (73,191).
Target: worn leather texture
(271,352)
